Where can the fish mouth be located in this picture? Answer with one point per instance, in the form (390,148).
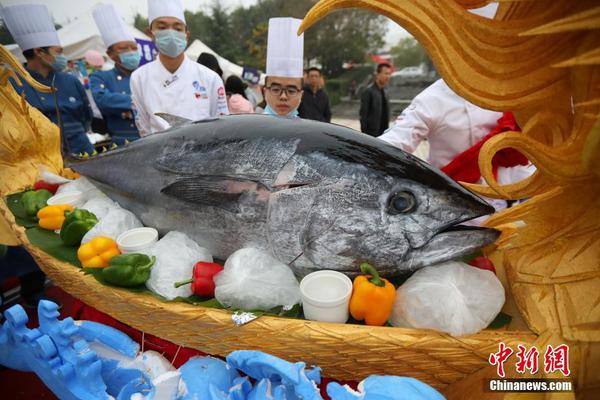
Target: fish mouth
(450,243)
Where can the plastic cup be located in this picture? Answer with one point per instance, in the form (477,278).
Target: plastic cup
(136,240)
(76,199)
(325,296)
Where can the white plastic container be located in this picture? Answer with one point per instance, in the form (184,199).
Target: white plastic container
(136,240)
(76,199)
(325,296)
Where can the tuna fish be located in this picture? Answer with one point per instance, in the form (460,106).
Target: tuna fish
(315,195)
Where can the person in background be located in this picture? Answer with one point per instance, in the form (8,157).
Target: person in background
(285,52)
(32,28)
(173,84)
(315,102)
(211,62)
(236,96)
(374,104)
(111,89)
(456,129)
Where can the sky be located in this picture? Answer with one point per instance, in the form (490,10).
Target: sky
(65,10)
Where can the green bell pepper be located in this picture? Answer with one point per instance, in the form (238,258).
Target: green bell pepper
(33,201)
(77,223)
(127,270)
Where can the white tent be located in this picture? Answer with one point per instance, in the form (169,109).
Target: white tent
(79,36)
(229,68)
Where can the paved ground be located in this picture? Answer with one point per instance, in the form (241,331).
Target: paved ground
(346,114)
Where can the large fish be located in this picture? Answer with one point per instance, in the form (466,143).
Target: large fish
(315,195)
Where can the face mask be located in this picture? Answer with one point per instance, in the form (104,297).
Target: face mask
(269,111)
(59,63)
(170,42)
(130,60)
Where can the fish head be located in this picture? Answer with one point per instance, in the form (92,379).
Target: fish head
(400,214)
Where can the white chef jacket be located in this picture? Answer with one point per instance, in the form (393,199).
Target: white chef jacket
(452,125)
(193,92)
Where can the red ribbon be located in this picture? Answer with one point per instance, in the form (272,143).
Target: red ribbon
(465,166)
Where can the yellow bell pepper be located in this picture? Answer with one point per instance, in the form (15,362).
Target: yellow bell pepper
(52,217)
(372,297)
(97,252)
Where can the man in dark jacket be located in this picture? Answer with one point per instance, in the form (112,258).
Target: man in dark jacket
(374,104)
(315,102)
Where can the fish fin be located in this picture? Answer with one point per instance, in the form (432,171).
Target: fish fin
(247,199)
(174,120)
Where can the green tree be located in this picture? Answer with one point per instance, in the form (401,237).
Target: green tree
(5,36)
(407,53)
(140,22)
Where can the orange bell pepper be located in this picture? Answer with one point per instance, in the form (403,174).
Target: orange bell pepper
(372,297)
(52,217)
(97,252)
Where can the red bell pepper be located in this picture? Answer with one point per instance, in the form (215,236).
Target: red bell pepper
(52,188)
(483,263)
(202,279)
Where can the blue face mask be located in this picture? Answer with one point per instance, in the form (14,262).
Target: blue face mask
(269,111)
(130,60)
(170,42)
(59,63)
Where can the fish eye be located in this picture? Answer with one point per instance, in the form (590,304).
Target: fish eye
(401,203)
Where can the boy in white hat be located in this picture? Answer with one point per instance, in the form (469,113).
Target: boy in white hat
(173,84)
(33,30)
(285,53)
(111,89)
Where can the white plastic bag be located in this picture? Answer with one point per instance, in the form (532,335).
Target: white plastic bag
(115,222)
(176,254)
(82,185)
(255,280)
(100,206)
(45,175)
(452,297)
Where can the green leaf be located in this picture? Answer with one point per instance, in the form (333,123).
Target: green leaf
(51,243)
(13,202)
(500,321)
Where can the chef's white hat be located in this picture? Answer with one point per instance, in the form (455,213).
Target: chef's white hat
(285,49)
(30,25)
(111,26)
(165,8)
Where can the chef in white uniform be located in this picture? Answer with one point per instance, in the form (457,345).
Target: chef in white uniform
(285,62)
(173,84)
(451,125)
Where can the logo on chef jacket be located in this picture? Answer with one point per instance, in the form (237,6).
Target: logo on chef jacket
(199,91)
(221,91)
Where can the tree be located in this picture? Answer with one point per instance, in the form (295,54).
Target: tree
(407,53)
(140,22)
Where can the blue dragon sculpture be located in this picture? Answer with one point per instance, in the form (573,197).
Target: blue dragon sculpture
(83,360)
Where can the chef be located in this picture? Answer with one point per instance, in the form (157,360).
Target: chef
(110,89)
(285,56)
(32,28)
(173,84)
(456,129)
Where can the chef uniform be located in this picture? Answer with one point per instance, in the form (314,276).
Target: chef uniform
(451,125)
(285,53)
(111,89)
(31,26)
(193,91)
